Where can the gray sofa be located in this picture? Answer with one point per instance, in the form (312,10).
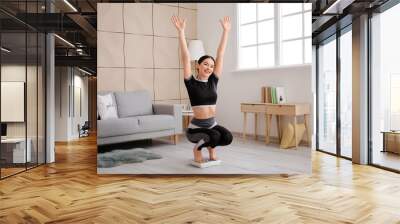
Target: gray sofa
(139,119)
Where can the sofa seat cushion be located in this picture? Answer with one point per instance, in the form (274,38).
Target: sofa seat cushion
(118,127)
(148,123)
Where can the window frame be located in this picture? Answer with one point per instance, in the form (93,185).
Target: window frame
(277,42)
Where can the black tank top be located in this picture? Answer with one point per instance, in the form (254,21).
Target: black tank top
(202,92)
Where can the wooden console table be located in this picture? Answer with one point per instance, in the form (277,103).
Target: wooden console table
(269,109)
(391,141)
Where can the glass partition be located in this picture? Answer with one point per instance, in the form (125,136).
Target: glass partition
(385,89)
(22,87)
(14,152)
(327,96)
(346,93)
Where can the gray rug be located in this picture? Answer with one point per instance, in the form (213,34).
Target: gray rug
(119,157)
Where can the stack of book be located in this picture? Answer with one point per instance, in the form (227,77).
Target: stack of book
(271,94)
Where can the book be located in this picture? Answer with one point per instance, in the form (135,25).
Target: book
(266,94)
(280,95)
(263,94)
(271,94)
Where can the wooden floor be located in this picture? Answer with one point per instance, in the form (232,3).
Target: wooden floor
(70,191)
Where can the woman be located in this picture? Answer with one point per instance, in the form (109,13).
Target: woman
(202,91)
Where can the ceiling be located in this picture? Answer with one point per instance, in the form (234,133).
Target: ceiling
(329,16)
(77,22)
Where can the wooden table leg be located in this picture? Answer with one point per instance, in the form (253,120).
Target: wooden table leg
(173,139)
(185,121)
(255,126)
(307,130)
(244,125)
(278,124)
(190,119)
(295,130)
(267,127)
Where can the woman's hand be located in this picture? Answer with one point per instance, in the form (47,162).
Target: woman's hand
(226,23)
(179,23)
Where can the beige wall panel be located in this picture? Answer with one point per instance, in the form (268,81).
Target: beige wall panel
(162,20)
(185,101)
(110,50)
(170,4)
(183,91)
(109,17)
(31,107)
(13,73)
(188,5)
(166,84)
(110,79)
(191,22)
(138,18)
(167,102)
(138,51)
(166,52)
(138,79)
(16,130)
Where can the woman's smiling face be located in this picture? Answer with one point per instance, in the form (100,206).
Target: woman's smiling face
(206,68)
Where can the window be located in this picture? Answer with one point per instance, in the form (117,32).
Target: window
(274,34)
(385,88)
(394,102)
(295,33)
(345,93)
(327,96)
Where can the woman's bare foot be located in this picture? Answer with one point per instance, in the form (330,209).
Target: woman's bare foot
(212,153)
(198,157)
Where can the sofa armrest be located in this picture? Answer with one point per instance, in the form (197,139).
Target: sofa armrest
(174,110)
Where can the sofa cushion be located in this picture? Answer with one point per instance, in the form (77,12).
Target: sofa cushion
(106,107)
(118,127)
(150,123)
(102,93)
(114,102)
(133,103)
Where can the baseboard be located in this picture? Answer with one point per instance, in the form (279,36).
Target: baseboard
(272,139)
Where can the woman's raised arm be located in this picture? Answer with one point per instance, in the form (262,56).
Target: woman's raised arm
(226,25)
(180,25)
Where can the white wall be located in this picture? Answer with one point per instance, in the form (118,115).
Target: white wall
(66,120)
(61,103)
(245,86)
(80,118)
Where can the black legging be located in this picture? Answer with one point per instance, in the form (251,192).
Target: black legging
(216,136)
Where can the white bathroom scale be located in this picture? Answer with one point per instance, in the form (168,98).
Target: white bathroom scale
(206,164)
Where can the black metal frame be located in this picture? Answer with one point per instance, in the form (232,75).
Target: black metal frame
(369,114)
(338,98)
